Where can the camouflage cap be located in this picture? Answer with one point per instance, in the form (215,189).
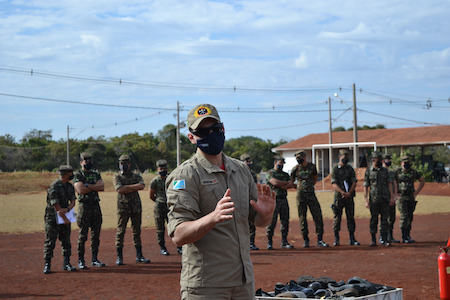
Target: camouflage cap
(65,168)
(85,155)
(279,158)
(343,152)
(300,153)
(245,157)
(405,158)
(376,154)
(124,158)
(161,163)
(387,156)
(201,112)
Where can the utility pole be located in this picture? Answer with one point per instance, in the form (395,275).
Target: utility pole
(355,132)
(330,136)
(178,135)
(68,160)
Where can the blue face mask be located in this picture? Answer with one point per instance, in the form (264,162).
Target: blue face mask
(213,143)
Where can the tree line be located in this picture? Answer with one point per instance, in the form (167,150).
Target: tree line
(37,151)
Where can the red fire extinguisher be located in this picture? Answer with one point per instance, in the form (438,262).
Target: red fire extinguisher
(444,273)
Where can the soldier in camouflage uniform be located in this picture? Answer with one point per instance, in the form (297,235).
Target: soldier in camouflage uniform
(157,193)
(343,179)
(387,162)
(306,175)
(279,182)
(88,182)
(127,184)
(246,158)
(406,176)
(377,194)
(60,199)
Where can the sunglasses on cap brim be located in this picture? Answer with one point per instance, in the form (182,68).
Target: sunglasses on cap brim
(204,131)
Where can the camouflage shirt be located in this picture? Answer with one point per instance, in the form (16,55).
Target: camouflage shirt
(405,180)
(280,175)
(159,185)
(58,193)
(131,202)
(340,175)
(255,177)
(378,180)
(90,177)
(305,177)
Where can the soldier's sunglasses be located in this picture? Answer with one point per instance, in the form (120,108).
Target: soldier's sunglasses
(204,131)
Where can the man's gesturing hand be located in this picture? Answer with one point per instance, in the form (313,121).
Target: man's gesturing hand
(264,206)
(224,208)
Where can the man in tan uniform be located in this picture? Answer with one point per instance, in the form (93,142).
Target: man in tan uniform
(211,197)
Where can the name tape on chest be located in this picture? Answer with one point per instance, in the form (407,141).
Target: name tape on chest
(179,184)
(208,181)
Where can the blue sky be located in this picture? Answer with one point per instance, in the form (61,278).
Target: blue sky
(268,66)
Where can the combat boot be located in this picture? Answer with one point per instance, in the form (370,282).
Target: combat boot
(140,259)
(82,264)
(405,237)
(95,262)
(66,265)
(306,239)
(373,243)
(269,243)
(320,242)
(384,239)
(164,251)
(285,244)
(252,243)
(180,250)
(391,237)
(48,266)
(409,236)
(336,239)
(119,260)
(353,241)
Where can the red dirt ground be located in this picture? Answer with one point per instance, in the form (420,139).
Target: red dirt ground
(412,267)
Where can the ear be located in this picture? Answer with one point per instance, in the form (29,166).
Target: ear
(192,138)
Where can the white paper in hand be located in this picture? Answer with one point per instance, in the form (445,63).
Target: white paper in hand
(70,215)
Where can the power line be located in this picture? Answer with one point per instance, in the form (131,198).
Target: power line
(398,118)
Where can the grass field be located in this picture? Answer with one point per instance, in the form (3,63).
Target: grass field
(23,200)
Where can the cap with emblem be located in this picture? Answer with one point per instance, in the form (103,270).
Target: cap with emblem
(343,152)
(65,169)
(405,158)
(161,163)
(245,157)
(124,158)
(201,112)
(85,156)
(376,154)
(300,153)
(279,158)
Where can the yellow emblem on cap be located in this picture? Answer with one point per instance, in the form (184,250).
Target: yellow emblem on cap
(202,111)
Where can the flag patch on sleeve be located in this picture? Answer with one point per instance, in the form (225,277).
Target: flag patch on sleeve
(179,185)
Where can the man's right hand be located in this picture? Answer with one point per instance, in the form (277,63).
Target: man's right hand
(224,208)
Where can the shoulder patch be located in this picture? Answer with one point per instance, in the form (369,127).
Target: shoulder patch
(179,184)
(208,181)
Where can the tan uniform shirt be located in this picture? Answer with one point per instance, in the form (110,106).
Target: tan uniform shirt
(221,258)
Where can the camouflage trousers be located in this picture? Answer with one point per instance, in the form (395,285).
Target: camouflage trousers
(282,209)
(406,206)
(252,229)
(391,216)
(379,208)
(53,232)
(160,212)
(338,207)
(89,216)
(136,220)
(309,200)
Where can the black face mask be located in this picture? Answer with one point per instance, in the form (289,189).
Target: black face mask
(300,160)
(250,165)
(388,163)
(88,166)
(213,143)
(123,168)
(163,173)
(378,164)
(280,167)
(71,177)
(407,165)
(345,161)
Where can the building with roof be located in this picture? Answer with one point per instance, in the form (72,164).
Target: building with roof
(318,150)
